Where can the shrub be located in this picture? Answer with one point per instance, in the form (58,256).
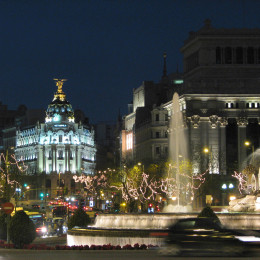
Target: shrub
(208,212)
(80,219)
(3,227)
(22,230)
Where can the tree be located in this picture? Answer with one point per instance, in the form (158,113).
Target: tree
(80,219)
(11,175)
(181,182)
(92,182)
(22,229)
(135,186)
(208,212)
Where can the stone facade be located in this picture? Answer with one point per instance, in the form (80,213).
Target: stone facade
(219,99)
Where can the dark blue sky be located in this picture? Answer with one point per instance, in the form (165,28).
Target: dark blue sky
(105,48)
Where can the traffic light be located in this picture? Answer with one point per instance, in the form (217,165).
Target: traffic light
(82,203)
(41,195)
(150,208)
(25,185)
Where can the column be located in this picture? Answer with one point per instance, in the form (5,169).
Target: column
(66,159)
(52,158)
(40,169)
(43,159)
(214,144)
(223,147)
(242,123)
(195,144)
(79,158)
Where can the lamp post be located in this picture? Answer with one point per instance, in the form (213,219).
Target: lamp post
(206,150)
(226,188)
(248,144)
(140,164)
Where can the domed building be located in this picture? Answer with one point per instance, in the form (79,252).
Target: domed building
(57,149)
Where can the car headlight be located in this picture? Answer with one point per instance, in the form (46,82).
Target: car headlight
(248,238)
(44,229)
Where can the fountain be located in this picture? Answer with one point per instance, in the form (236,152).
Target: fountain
(122,229)
(178,150)
(248,185)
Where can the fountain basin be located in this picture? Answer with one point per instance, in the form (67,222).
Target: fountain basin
(123,229)
(94,236)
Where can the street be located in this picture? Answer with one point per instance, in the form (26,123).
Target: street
(12,254)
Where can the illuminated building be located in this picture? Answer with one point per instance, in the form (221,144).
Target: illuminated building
(58,148)
(219,99)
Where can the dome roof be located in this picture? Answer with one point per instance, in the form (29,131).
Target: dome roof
(59,110)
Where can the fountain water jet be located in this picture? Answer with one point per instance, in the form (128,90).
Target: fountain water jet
(177,149)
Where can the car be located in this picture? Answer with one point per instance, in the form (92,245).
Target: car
(41,229)
(203,236)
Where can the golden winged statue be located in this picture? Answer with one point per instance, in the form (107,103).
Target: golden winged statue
(59,84)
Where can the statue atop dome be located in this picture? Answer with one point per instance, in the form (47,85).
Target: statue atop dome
(60,94)
(59,84)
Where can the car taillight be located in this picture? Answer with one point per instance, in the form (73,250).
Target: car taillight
(159,234)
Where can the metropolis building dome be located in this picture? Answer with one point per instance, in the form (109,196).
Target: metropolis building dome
(58,148)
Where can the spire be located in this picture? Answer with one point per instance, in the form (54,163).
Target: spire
(164,65)
(165,78)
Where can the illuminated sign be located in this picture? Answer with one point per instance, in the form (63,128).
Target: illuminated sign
(178,81)
(60,125)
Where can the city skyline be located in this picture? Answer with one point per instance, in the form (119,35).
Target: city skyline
(104,48)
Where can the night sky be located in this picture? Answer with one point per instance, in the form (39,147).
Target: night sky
(105,48)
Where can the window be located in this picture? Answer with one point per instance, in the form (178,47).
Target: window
(157,150)
(129,141)
(229,105)
(60,182)
(157,117)
(258,55)
(60,167)
(250,55)
(48,183)
(239,55)
(60,154)
(60,138)
(228,55)
(165,134)
(218,55)
(157,134)
(50,154)
(166,117)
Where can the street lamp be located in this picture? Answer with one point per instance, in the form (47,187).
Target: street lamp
(206,150)
(140,164)
(247,143)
